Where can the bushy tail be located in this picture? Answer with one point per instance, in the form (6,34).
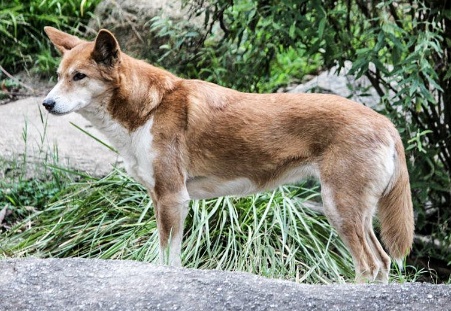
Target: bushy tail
(396,211)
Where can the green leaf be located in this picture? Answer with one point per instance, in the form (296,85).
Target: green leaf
(321,27)
(448,74)
(292,31)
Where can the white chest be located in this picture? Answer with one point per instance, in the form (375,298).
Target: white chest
(134,147)
(139,155)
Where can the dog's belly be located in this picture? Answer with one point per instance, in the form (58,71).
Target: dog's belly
(212,187)
(206,187)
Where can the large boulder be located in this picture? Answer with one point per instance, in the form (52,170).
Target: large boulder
(83,284)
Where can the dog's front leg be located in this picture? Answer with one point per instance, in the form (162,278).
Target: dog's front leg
(171,210)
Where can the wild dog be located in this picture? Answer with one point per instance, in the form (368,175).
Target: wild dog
(190,139)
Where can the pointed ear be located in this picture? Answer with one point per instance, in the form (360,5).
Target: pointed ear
(106,49)
(61,40)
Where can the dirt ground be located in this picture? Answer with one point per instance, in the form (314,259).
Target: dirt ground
(27,129)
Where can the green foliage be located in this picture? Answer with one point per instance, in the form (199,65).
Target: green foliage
(23,44)
(243,59)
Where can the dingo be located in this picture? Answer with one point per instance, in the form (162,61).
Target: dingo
(189,139)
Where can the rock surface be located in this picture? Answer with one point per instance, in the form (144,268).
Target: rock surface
(82,284)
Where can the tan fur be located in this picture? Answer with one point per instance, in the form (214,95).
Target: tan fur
(208,140)
(395,210)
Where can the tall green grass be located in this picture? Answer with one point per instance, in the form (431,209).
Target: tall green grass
(268,234)
(31,178)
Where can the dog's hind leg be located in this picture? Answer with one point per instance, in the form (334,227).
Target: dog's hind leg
(347,214)
(378,251)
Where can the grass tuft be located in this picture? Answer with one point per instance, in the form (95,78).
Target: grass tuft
(268,234)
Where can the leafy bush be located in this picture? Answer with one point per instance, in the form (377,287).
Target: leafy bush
(23,44)
(246,60)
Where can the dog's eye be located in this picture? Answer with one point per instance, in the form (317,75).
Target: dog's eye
(78,76)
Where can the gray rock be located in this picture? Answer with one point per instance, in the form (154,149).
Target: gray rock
(88,284)
(339,82)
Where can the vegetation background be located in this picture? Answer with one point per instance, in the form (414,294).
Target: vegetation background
(403,47)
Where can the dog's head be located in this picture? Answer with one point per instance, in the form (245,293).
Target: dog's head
(87,70)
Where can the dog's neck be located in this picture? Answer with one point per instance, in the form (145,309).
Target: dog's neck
(139,90)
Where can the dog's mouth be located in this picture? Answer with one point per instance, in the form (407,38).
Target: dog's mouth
(58,113)
(51,107)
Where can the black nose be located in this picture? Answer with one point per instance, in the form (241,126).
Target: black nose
(48,104)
